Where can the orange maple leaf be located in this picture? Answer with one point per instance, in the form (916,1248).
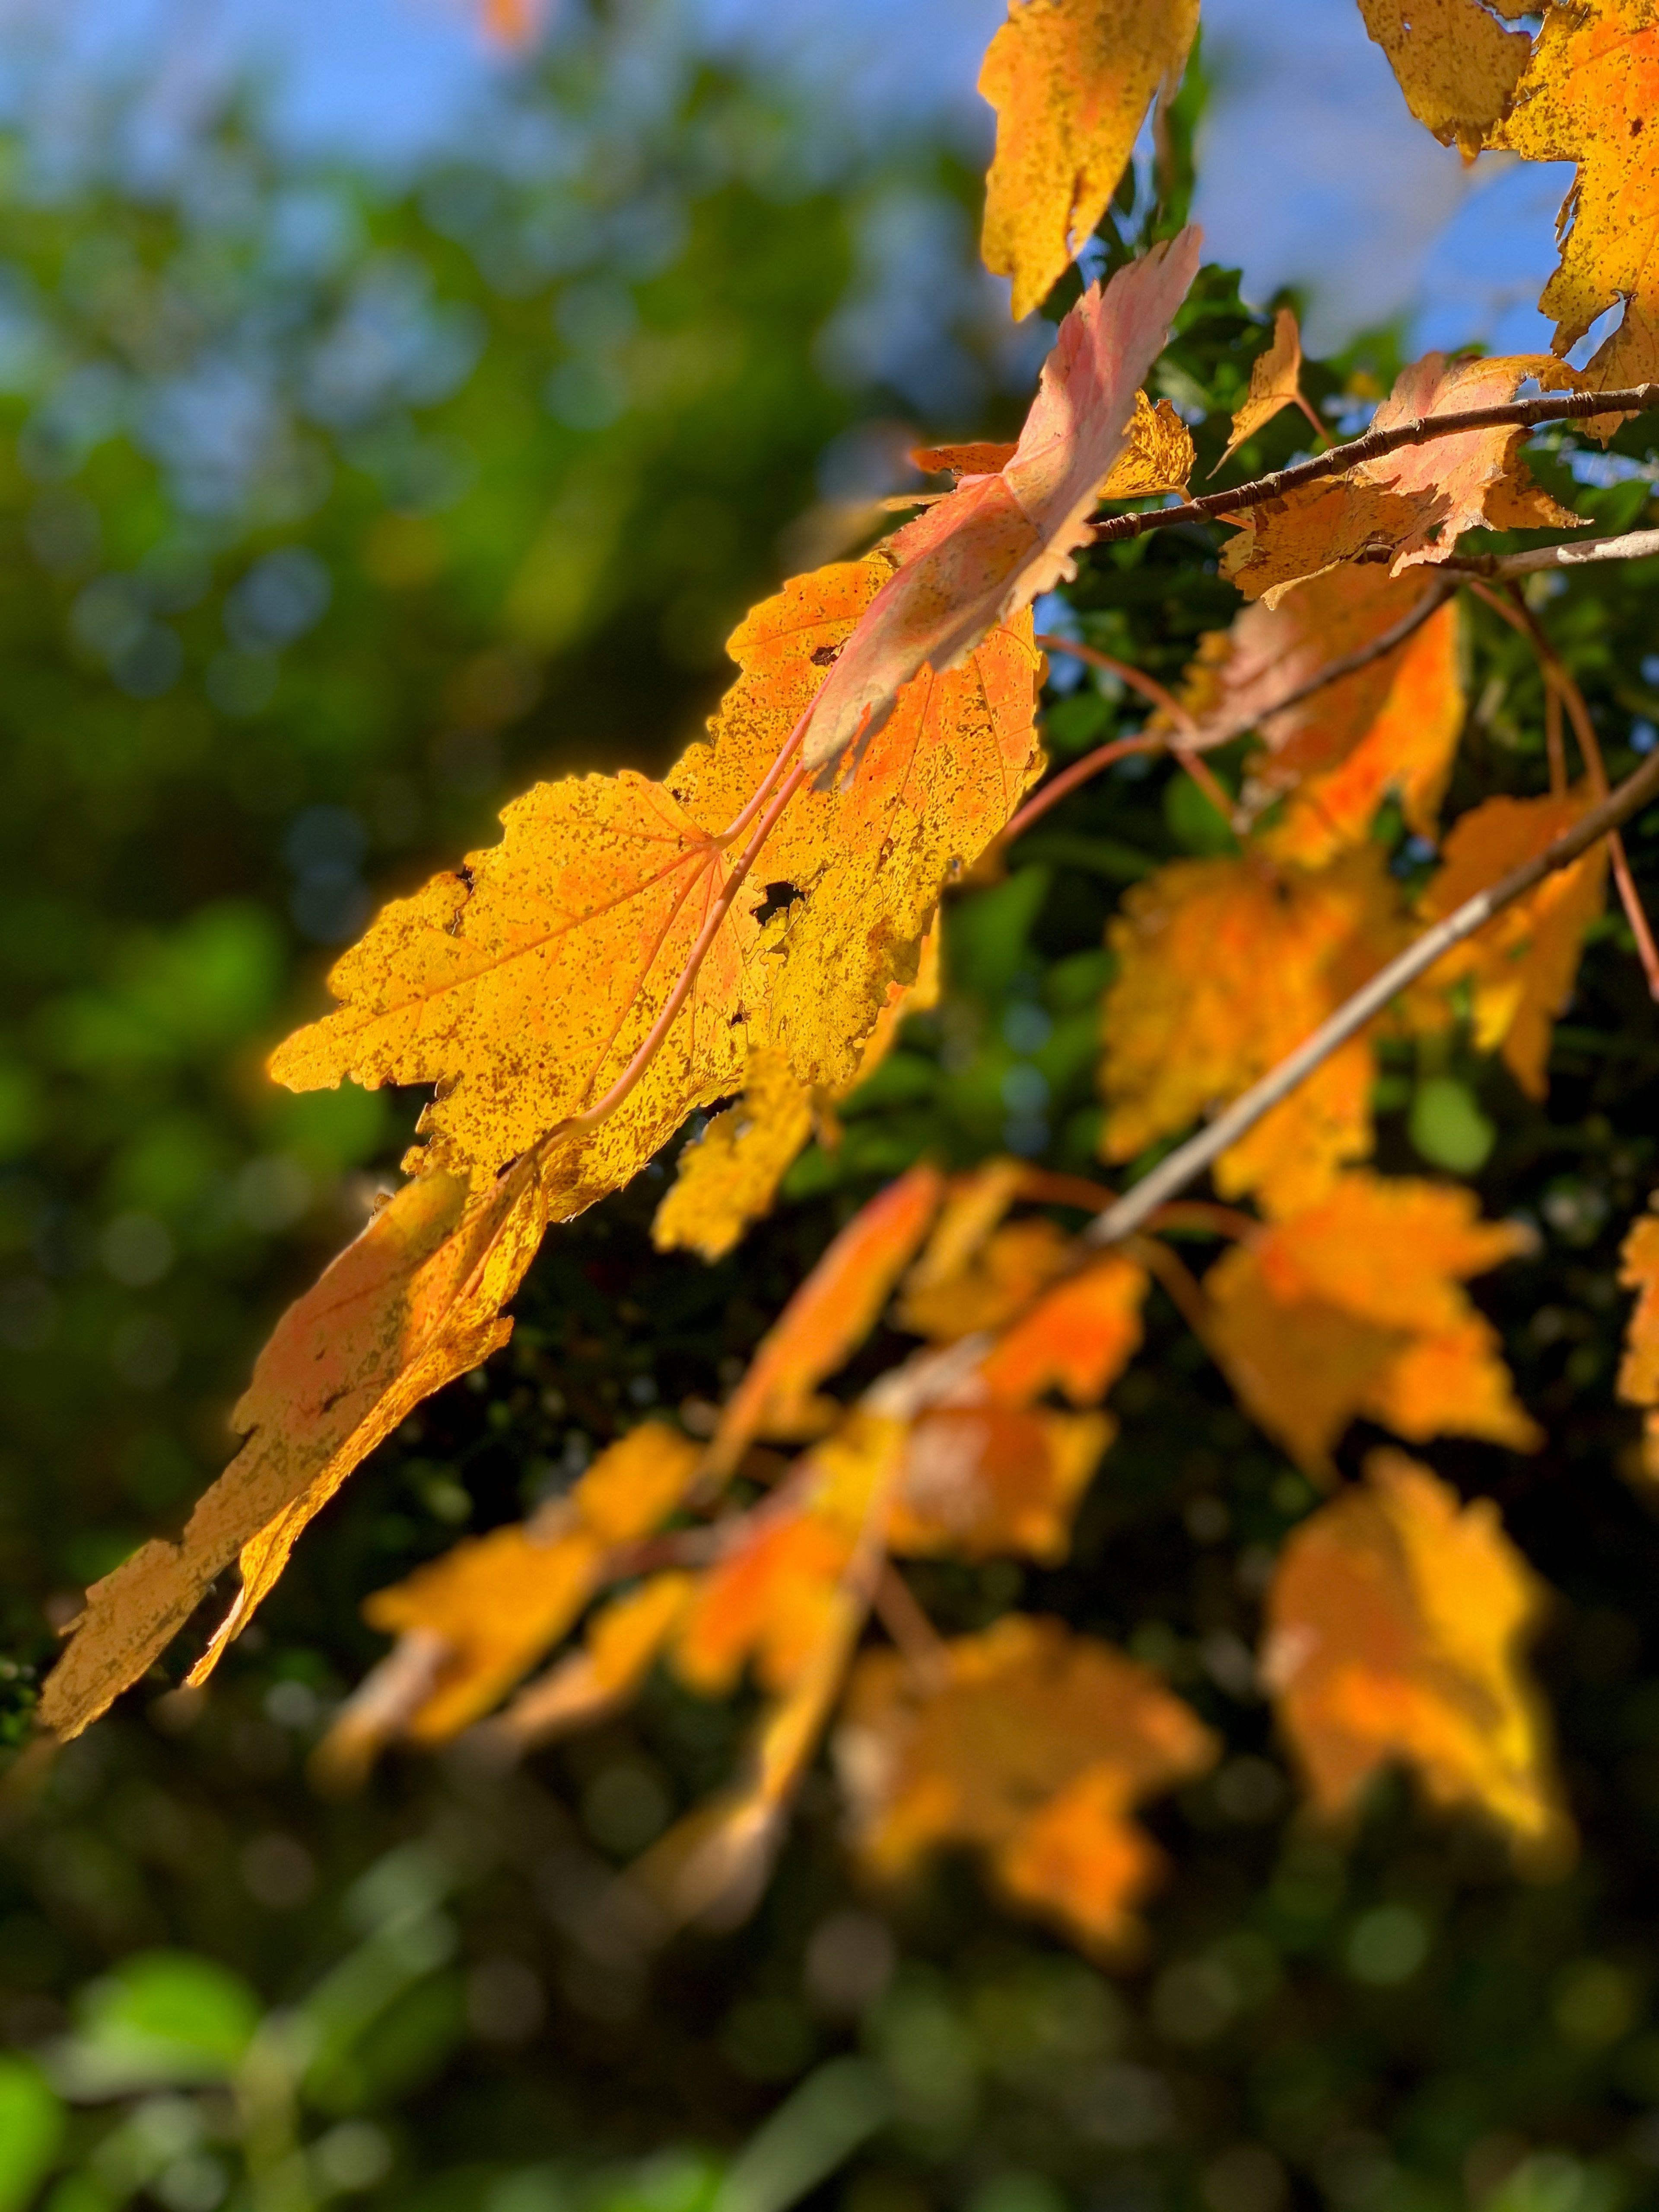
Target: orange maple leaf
(1356,1306)
(986,550)
(1589,95)
(414,1303)
(1224,966)
(1070,80)
(1638,1371)
(1391,726)
(1521,968)
(1410,505)
(1076,1338)
(1035,1747)
(1396,1623)
(1457,66)
(1158,458)
(826,1320)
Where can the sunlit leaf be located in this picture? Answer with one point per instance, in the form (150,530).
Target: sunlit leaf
(1638,1371)
(1035,1748)
(1224,967)
(1356,1306)
(1275,383)
(976,1481)
(1071,81)
(987,551)
(1396,1625)
(1521,968)
(1457,66)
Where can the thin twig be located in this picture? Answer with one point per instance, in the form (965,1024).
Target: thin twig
(1091,764)
(920,1643)
(1136,679)
(1188,1161)
(1559,684)
(1550,407)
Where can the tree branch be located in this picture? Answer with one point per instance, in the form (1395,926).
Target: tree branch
(1576,553)
(1188,1161)
(1520,414)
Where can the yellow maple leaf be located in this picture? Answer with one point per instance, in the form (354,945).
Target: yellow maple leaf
(1275,383)
(1396,1625)
(1224,966)
(1457,66)
(415,1302)
(729,1176)
(621,1642)
(1638,1370)
(1410,506)
(1355,1306)
(496,1602)
(523,986)
(1070,80)
(987,548)
(1035,1748)
(1589,95)
(1521,968)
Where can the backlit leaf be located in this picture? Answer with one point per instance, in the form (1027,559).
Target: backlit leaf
(1355,1306)
(1457,66)
(991,546)
(1224,966)
(496,1602)
(1410,505)
(1521,968)
(1077,1338)
(1397,1623)
(1071,81)
(1638,1371)
(622,1641)
(1158,458)
(1275,383)
(827,1319)
(1589,95)
(729,1176)
(1034,1750)
(415,1302)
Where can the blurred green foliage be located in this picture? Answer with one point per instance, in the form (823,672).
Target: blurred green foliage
(329,516)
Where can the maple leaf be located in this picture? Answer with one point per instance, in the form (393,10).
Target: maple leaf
(1035,1748)
(729,1176)
(1275,383)
(826,1320)
(990,547)
(1077,1338)
(1158,458)
(1521,968)
(1396,1625)
(415,1302)
(1588,95)
(1224,966)
(621,1642)
(975,1480)
(1457,66)
(1070,80)
(496,1602)
(523,986)
(1410,505)
(1355,1306)
(1638,1370)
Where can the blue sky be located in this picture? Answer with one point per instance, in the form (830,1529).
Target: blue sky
(1313,170)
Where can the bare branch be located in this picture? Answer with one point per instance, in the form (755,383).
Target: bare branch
(1520,414)
(1578,553)
(1188,1161)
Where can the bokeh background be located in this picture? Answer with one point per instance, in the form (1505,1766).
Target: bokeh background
(389,417)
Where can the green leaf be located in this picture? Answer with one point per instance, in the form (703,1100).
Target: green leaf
(31,2129)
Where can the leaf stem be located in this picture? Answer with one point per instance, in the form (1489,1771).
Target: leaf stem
(676,998)
(1549,407)
(1188,1161)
